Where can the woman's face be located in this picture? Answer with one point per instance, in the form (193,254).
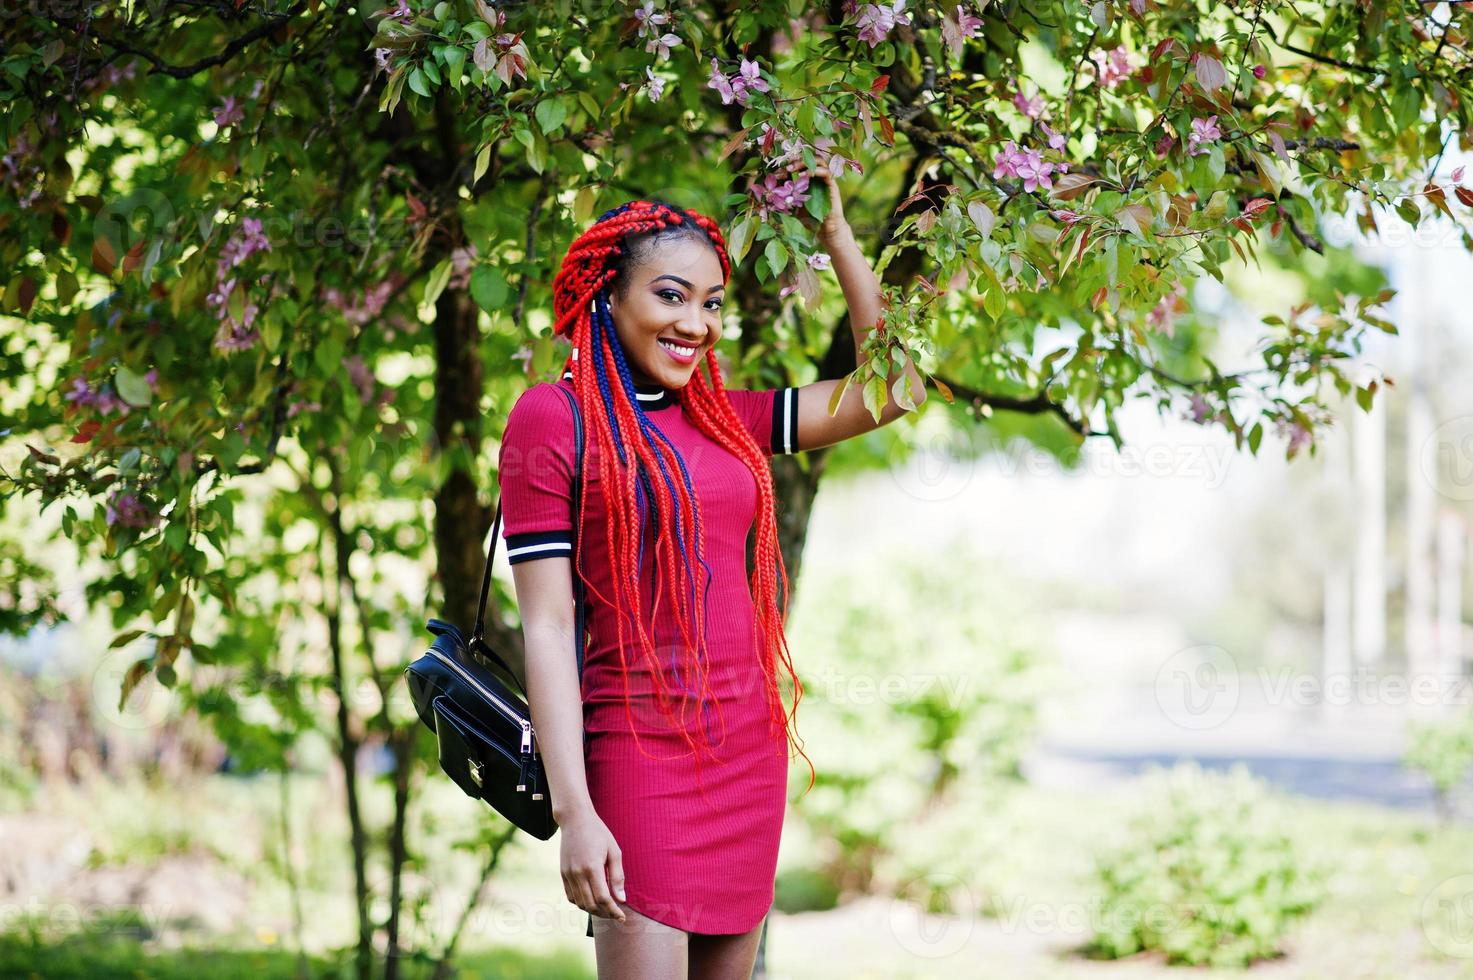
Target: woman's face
(674,298)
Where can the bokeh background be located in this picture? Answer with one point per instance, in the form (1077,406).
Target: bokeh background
(1080,707)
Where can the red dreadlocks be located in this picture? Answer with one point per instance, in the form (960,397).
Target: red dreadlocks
(629,458)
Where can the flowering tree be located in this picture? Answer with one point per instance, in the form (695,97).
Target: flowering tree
(301,252)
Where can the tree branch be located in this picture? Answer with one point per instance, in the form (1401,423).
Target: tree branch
(229,51)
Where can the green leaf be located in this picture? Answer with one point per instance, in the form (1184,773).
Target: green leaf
(777,255)
(132,388)
(435,284)
(1255,436)
(838,394)
(483,160)
(874,396)
(550,114)
(740,240)
(417,82)
(488,288)
(454,58)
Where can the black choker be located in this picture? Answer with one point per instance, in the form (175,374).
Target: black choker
(650,396)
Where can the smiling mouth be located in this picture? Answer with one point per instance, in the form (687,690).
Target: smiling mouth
(679,352)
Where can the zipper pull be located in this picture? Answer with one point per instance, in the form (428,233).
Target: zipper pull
(526,755)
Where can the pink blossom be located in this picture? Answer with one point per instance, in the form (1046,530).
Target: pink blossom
(877,20)
(1030,106)
(1299,435)
(80,392)
(220,296)
(721,84)
(1200,409)
(968,24)
(236,337)
(1008,161)
(125,509)
(401,12)
(656,85)
(361,376)
(1259,71)
(359,311)
(1203,131)
(649,20)
(1114,66)
(1034,171)
(240,246)
(1163,315)
(819,260)
(749,78)
(783,196)
(1055,139)
(1028,165)
(382,57)
(661,45)
(228,112)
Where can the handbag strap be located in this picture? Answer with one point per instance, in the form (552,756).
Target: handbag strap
(477,643)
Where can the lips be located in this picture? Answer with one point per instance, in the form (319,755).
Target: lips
(681,353)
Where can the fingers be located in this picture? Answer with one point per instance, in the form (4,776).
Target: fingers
(603,902)
(616,873)
(589,890)
(576,887)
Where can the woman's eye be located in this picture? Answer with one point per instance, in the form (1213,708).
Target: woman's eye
(670,292)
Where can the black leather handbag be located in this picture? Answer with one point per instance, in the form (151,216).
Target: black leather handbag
(486,741)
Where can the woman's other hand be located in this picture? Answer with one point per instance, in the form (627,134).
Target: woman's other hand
(591,863)
(834,226)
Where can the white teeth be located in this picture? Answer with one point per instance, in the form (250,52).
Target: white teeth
(682,351)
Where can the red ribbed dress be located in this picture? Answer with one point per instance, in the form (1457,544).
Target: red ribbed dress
(702,861)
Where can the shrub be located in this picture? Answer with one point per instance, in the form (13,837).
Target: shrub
(1443,751)
(921,680)
(1206,873)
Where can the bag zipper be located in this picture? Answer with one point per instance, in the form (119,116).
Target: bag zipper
(507,710)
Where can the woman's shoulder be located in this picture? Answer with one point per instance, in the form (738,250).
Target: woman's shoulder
(541,415)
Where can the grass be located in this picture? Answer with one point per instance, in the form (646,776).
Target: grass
(1383,917)
(113,957)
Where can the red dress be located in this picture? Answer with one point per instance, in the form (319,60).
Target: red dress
(702,857)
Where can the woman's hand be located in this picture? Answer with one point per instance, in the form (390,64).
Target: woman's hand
(591,861)
(834,227)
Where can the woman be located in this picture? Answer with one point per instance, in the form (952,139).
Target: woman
(671,799)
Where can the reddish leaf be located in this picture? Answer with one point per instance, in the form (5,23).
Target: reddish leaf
(1071,185)
(61,229)
(732,144)
(1256,206)
(87,431)
(1464,195)
(43,457)
(879,85)
(1162,47)
(27,295)
(887,129)
(104,259)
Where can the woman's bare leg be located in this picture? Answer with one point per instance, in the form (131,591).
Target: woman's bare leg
(639,948)
(724,957)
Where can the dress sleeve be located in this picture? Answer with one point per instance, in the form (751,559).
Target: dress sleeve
(535,472)
(771,415)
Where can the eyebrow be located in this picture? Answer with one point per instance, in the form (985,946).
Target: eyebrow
(684,283)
